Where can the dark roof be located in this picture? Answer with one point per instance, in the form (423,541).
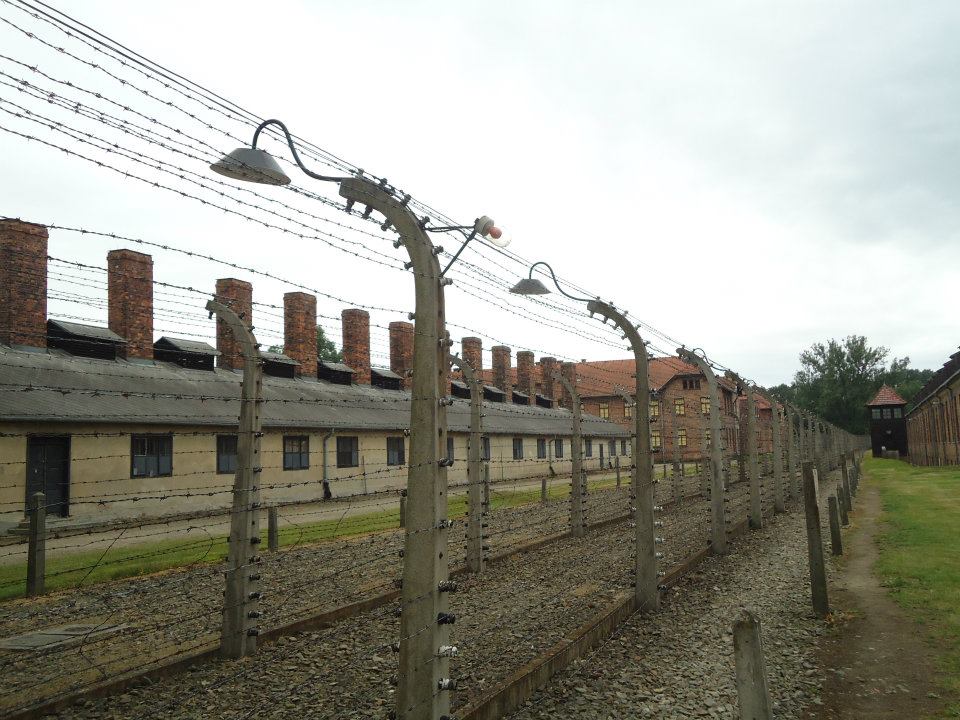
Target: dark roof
(68,388)
(89,332)
(277,358)
(886,395)
(385,373)
(337,367)
(196,347)
(459,384)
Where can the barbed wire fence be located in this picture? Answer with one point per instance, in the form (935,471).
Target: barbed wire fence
(331,568)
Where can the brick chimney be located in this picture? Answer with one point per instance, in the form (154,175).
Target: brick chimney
(130,300)
(525,374)
(23,283)
(401,350)
(501,368)
(548,366)
(300,331)
(238,296)
(356,343)
(471,350)
(569,371)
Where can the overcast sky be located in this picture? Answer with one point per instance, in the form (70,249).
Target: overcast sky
(747,177)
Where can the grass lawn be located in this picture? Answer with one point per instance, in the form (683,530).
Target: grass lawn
(90,567)
(920,553)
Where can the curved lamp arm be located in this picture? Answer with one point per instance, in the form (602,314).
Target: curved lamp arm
(293,149)
(555,282)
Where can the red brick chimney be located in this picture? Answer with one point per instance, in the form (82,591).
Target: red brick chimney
(569,371)
(525,374)
(300,331)
(401,350)
(356,343)
(501,368)
(130,300)
(548,366)
(238,296)
(471,350)
(23,283)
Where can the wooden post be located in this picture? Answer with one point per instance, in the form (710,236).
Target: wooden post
(818,572)
(36,547)
(844,518)
(616,463)
(751,668)
(403,508)
(836,542)
(273,530)
(847,492)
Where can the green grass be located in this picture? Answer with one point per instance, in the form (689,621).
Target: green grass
(920,554)
(91,567)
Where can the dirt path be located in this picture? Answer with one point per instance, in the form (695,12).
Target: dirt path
(877,665)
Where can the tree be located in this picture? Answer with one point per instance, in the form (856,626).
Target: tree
(837,380)
(326,349)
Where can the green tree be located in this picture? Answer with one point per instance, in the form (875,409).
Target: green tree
(837,379)
(326,349)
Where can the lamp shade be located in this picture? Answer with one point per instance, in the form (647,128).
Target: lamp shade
(251,165)
(530,286)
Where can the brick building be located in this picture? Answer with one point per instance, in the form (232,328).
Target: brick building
(933,422)
(888,426)
(97,417)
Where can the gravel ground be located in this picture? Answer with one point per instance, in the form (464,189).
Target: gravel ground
(174,612)
(679,663)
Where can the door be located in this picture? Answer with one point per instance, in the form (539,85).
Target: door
(48,471)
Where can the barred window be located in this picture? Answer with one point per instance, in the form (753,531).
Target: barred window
(296,452)
(151,456)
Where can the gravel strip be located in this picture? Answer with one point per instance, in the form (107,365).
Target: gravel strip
(679,662)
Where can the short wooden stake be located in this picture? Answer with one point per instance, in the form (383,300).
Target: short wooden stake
(818,572)
(751,668)
(836,542)
(36,547)
(844,518)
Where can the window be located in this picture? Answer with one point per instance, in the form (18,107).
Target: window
(887,414)
(485,448)
(588,448)
(678,407)
(558,448)
(706,437)
(656,442)
(897,413)
(226,453)
(876,413)
(654,408)
(612,447)
(541,448)
(623,447)
(691,384)
(151,455)
(348,451)
(296,452)
(704,406)
(604,410)
(396,454)
(450,454)
(682,437)
(627,409)
(518,448)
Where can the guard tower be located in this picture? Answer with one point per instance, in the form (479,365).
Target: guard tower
(888,426)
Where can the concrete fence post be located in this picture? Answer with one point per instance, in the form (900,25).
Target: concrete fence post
(752,469)
(836,542)
(718,480)
(779,500)
(37,546)
(845,479)
(677,477)
(239,630)
(842,500)
(476,510)
(577,495)
(273,530)
(818,572)
(751,669)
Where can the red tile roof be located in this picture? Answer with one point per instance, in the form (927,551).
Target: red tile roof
(598,378)
(886,396)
